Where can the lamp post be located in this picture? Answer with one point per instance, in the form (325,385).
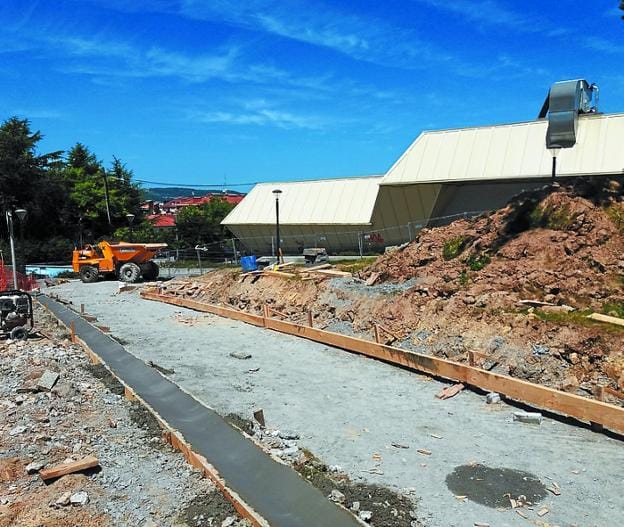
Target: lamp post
(278,248)
(21,216)
(554,151)
(130,218)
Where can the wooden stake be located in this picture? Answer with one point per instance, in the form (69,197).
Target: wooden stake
(471,358)
(377,337)
(72,332)
(310,319)
(82,309)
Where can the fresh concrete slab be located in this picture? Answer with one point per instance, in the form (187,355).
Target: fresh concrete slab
(349,410)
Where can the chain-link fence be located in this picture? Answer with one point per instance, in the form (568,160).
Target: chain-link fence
(337,242)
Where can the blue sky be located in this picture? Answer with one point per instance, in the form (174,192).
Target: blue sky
(207,91)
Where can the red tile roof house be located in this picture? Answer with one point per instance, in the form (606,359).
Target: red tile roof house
(167,217)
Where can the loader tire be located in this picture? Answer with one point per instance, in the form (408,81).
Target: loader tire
(129,272)
(89,274)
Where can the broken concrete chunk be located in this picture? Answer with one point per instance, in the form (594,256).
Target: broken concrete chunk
(355,506)
(34,467)
(336,496)
(528,417)
(492,398)
(16,430)
(243,355)
(365,516)
(79,498)
(293,436)
(47,381)
(63,500)
(259,417)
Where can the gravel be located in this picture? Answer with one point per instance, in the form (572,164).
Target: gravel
(349,410)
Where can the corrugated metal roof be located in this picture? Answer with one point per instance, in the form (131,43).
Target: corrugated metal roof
(510,151)
(348,201)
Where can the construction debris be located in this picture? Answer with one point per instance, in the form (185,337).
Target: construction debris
(242,355)
(164,371)
(69,468)
(528,417)
(450,391)
(47,381)
(493,398)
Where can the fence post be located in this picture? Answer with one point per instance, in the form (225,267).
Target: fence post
(199,262)
(234,248)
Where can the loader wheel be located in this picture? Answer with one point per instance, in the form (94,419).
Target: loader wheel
(129,272)
(89,274)
(149,271)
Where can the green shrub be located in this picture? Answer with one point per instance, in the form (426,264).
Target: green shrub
(559,219)
(454,247)
(616,215)
(616,308)
(476,262)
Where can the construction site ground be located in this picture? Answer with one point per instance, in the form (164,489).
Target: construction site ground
(376,423)
(139,481)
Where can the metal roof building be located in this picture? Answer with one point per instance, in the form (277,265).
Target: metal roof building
(441,175)
(326,212)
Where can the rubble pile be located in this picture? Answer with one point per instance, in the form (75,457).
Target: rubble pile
(515,285)
(74,451)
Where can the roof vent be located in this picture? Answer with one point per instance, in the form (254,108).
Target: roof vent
(565,101)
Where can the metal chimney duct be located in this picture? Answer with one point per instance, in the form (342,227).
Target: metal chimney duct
(565,101)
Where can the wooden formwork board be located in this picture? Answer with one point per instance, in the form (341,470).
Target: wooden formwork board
(581,408)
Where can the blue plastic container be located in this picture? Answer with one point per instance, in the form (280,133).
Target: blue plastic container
(248,263)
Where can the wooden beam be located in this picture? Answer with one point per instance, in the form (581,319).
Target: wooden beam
(279,274)
(331,272)
(581,408)
(318,267)
(606,318)
(69,468)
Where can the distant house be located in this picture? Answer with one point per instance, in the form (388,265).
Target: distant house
(162,221)
(174,205)
(163,215)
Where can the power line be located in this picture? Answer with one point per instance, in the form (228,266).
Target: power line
(192,185)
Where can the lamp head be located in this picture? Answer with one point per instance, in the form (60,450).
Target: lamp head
(21,214)
(130,218)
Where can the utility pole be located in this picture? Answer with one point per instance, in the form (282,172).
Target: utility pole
(105,176)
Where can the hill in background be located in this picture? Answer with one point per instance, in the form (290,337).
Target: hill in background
(167,193)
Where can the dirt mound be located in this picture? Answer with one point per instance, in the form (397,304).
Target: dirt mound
(554,245)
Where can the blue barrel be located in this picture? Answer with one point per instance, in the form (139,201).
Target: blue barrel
(248,263)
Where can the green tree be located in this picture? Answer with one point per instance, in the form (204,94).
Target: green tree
(98,194)
(202,224)
(30,180)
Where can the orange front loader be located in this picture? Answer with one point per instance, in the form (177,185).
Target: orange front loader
(127,261)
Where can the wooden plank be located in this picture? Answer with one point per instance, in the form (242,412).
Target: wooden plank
(331,272)
(581,408)
(69,468)
(607,318)
(278,274)
(613,392)
(318,267)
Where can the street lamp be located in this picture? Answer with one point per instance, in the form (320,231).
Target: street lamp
(278,251)
(554,151)
(21,214)
(130,218)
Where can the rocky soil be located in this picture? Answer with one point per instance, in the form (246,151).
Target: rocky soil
(515,285)
(140,480)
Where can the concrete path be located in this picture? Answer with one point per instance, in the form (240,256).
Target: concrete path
(348,408)
(272,489)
